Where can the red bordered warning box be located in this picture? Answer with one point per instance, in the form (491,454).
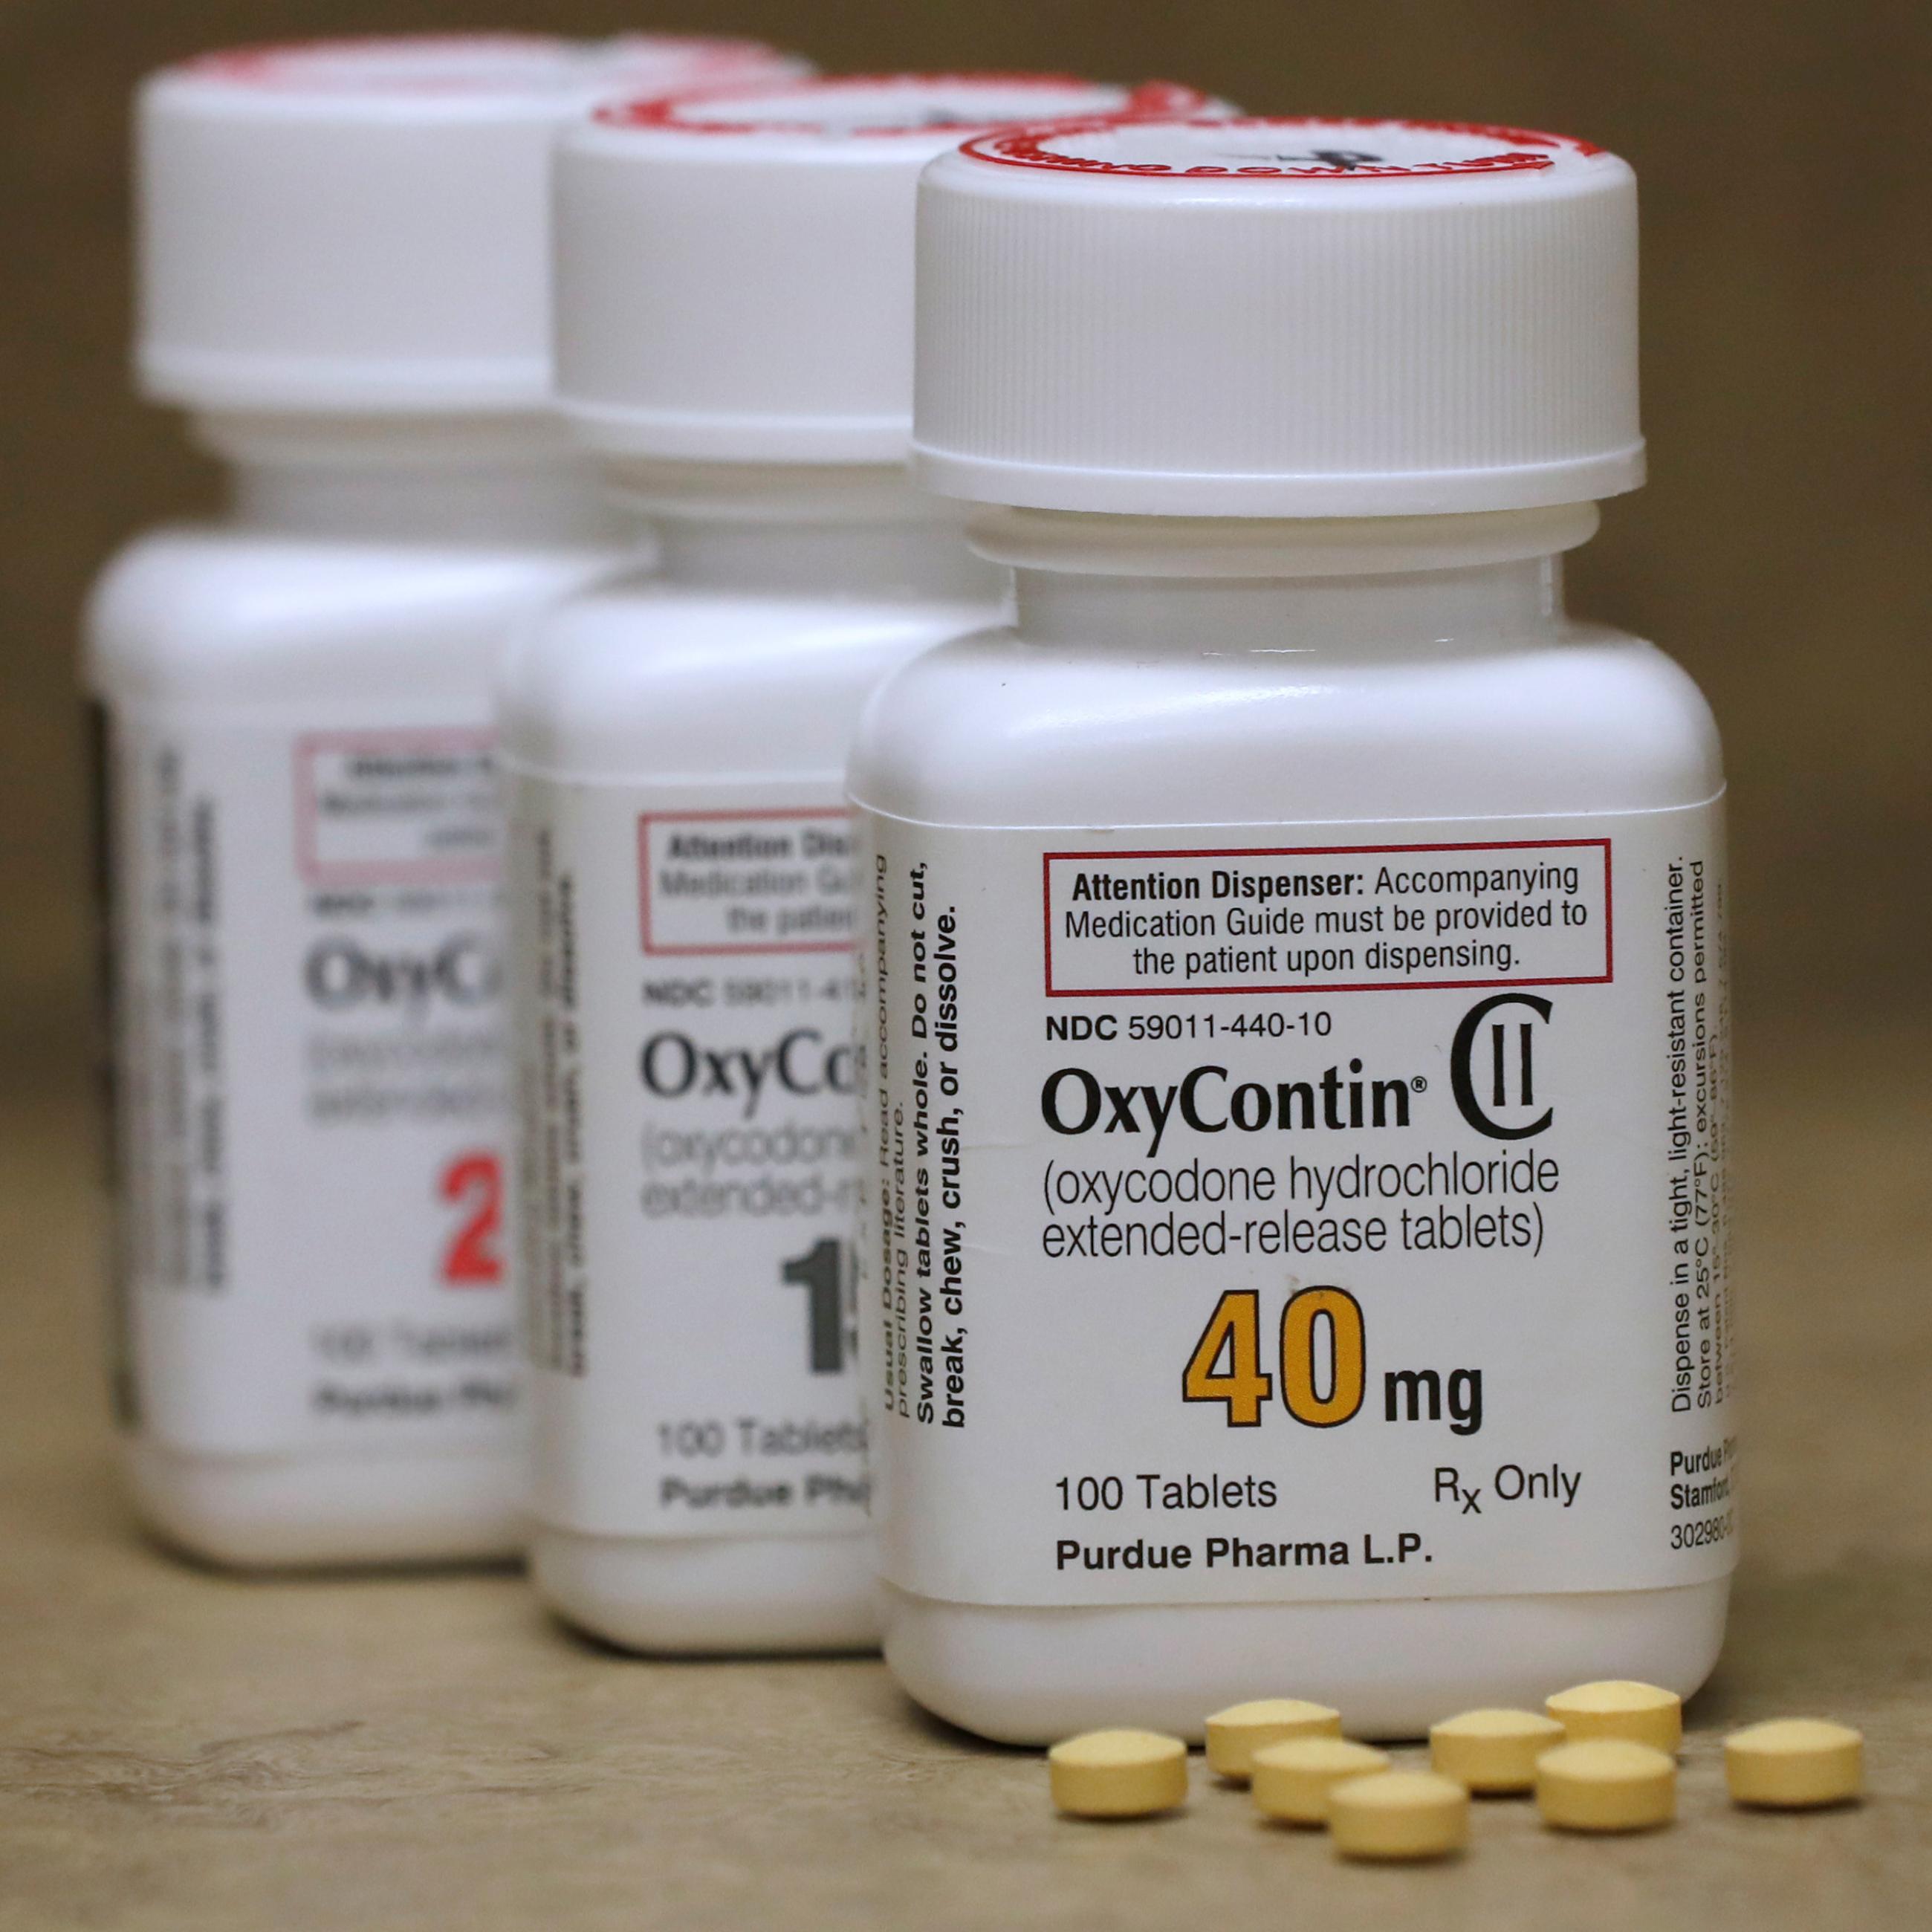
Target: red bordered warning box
(398,808)
(1327,919)
(765,883)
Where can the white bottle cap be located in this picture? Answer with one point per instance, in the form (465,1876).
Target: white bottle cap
(364,224)
(734,268)
(1291,318)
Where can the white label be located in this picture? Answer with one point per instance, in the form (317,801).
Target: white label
(1264,1215)
(311,1083)
(684,996)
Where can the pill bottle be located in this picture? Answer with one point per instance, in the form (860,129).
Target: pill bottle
(734,344)
(1295,1260)
(344,279)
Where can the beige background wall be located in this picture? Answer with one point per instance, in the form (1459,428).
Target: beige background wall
(1780,551)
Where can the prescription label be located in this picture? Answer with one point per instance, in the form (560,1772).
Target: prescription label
(691,1147)
(310,1071)
(1286,1213)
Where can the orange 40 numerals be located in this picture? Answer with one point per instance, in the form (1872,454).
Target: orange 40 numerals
(1321,1367)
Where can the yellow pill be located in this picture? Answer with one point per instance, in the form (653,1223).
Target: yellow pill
(1640,1714)
(1234,1735)
(1493,1751)
(1606,1784)
(1793,1763)
(1118,1773)
(1398,1814)
(1294,1781)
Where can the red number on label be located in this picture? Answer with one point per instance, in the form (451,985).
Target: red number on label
(472,1260)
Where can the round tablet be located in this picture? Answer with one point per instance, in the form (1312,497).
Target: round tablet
(1794,1762)
(1493,1751)
(1606,1784)
(1640,1714)
(1398,1814)
(1118,1773)
(1293,1781)
(1234,1735)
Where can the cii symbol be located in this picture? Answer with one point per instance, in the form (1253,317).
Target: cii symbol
(1492,1066)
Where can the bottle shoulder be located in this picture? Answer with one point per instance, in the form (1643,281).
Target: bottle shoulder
(990,729)
(187,610)
(641,676)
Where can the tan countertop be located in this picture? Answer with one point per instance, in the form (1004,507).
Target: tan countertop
(183,1749)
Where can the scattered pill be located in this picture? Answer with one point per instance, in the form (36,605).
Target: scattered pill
(1606,1784)
(1234,1735)
(1293,1781)
(1118,1773)
(1793,1763)
(1639,1714)
(1398,1814)
(1493,1751)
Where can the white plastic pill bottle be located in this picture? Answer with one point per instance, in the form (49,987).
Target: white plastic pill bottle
(1296,1016)
(344,278)
(734,342)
